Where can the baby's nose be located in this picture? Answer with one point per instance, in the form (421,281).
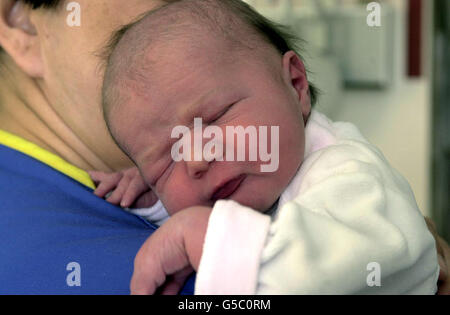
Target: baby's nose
(196,169)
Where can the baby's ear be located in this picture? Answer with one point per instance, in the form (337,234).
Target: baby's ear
(294,72)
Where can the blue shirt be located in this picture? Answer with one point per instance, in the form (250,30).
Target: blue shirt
(57,237)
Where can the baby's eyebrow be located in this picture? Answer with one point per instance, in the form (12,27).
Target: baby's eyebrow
(202,104)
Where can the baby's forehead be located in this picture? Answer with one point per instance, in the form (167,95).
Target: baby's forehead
(154,51)
(183,22)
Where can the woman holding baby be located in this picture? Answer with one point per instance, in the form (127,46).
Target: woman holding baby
(52,131)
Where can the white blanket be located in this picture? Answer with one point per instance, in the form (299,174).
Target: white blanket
(347,224)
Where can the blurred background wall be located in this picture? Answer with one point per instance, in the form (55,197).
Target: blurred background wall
(366,76)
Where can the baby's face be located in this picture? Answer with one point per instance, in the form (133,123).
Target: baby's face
(244,91)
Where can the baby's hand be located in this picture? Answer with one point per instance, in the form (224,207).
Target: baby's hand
(126,188)
(171,254)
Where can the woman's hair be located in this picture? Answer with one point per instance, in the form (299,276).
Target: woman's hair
(49,4)
(36,4)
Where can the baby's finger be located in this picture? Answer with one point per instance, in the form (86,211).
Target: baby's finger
(144,284)
(175,283)
(117,194)
(97,176)
(107,185)
(136,188)
(146,200)
(148,274)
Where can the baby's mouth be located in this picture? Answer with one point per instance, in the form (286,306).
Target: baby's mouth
(227,189)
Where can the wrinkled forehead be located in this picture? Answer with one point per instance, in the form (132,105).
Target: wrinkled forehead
(176,79)
(171,86)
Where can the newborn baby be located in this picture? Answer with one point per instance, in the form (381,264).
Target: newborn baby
(332,208)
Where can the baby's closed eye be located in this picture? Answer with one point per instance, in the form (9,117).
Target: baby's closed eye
(218,115)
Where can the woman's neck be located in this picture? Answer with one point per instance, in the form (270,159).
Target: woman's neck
(25,112)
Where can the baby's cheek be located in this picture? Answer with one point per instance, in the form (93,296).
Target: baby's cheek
(178,194)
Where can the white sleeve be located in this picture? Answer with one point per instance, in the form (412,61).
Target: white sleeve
(354,229)
(350,213)
(232,250)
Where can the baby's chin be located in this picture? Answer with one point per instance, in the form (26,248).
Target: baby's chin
(261,204)
(250,193)
(258,204)
(258,197)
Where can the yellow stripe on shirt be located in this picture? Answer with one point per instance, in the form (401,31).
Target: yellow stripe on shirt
(46,157)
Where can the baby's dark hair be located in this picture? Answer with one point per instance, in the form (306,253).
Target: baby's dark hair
(233,19)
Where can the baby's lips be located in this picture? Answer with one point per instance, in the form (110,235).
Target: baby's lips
(228,188)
